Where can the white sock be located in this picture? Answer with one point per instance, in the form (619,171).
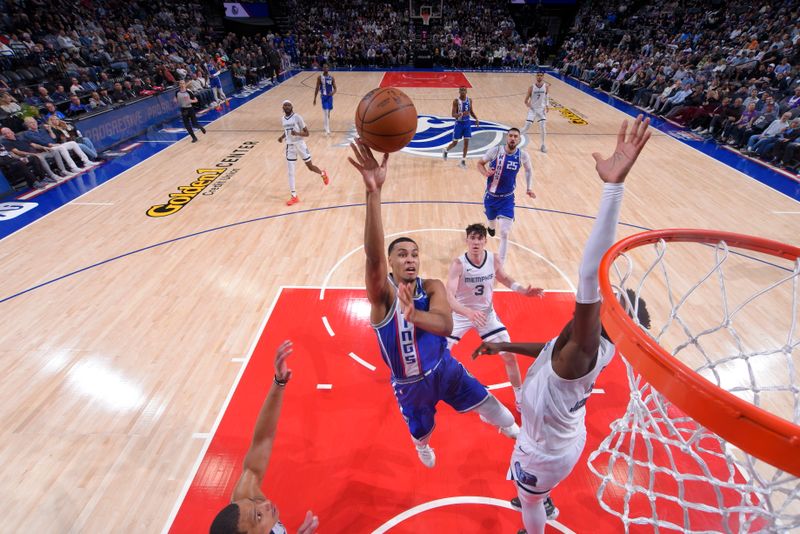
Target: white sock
(505,230)
(326,120)
(291,166)
(533,515)
(495,413)
(543,130)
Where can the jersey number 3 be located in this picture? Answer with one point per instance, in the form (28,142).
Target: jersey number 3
(479,290)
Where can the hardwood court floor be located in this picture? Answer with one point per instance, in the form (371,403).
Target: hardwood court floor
(111,377)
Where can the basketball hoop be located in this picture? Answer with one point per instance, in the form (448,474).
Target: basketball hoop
(710,440)
(425,13)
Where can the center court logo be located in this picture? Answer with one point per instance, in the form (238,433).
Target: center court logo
(435,133)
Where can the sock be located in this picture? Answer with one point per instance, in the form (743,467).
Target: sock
(326,117)
(495,413)
(505,230)
(534,516)
(291,166)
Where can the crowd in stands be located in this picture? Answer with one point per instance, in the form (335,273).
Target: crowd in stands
(361,33)
(65,60)
(728,71)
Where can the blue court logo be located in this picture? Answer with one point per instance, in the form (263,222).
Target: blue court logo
(435,133)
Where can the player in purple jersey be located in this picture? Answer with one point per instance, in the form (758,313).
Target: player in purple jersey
(411,317)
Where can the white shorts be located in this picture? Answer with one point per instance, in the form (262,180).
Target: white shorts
(493,330)
(537,472)
(537,115)
(298,148)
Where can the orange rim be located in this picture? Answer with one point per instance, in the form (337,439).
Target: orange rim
(761,434)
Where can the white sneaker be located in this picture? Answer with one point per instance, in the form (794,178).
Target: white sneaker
(463,164)
(426,456)
(544,149)
(510,431)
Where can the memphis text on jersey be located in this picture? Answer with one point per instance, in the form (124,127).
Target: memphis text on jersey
(207,177)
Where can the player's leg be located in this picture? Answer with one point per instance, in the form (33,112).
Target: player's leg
(504,224)
(457,135)
(306,155)
(291,163)
(495,332)
(417,403)
(543,130)
(464,393)
(491,215)
(467,134)
(528,121)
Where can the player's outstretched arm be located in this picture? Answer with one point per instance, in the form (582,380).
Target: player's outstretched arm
(257,458)
(374,175)
(504,278)
(525,349)
(476,317)
(576,348)
(438,319)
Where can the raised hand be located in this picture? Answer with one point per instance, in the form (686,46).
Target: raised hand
(485,348)
(282,371)
(373,174)
(614,169)
(310,524)
(405,294)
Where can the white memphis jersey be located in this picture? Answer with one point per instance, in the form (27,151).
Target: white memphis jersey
(539,96)
(553,408)
(476,285)
(293,122)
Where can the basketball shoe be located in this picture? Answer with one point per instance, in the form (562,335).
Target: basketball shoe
(426,455)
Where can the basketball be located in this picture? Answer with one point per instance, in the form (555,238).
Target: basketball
(386,119)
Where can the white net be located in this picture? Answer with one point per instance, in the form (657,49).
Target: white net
(732,317)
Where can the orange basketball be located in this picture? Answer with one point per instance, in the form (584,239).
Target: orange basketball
(386,119)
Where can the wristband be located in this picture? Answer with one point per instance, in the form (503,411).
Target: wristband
(516,286)
(279,382)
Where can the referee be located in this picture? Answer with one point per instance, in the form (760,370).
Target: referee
(186,101)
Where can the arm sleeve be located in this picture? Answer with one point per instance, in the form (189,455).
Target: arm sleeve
(490,155)
(526,164)
(603,234)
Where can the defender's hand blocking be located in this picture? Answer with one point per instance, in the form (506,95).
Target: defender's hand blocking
(486,348)
(310,524)
(373,174)
(282,372)
(614,169)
